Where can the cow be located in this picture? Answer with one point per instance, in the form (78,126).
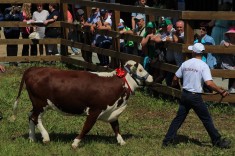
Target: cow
(99,96)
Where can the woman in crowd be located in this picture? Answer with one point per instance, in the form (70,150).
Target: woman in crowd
(228,60)
(26,12)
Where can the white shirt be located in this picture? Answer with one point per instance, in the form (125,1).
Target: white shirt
(41,16)
(194,73)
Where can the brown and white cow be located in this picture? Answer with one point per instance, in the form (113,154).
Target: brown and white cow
(99,96)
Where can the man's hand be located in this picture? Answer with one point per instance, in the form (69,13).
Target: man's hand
(224,93)
(2,68)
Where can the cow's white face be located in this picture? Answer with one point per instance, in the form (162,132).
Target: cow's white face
(138,72)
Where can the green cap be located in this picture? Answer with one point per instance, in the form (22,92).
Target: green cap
(151,25)
(165,23)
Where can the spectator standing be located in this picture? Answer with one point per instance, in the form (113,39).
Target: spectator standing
(139,31)
(194,72)
(12,13)
(103,41)
(126,46)
(151,47)
(77,36)
(167,32)
(228,60)
(89,27)
(220,27)
(1,19)
(204,38)
(178,37)
(52,32)
(26,12)
(140,3)
(40,15)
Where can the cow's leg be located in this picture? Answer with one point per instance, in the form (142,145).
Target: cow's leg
(43,131)
(115,126)
(89,123)
(32,137)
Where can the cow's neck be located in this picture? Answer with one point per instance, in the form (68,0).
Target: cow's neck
(130,82)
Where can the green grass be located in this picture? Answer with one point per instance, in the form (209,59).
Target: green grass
(143,126)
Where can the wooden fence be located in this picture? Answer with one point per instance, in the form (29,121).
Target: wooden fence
(188,16)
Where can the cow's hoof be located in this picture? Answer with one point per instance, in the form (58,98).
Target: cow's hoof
(32,140)
(75,143)
(122,143)
(74,146)
(46,141)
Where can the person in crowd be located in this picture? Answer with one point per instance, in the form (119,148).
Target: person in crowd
(204,38)
(194,72)
(69,17)
(139,31)
(126,46)
(1,19)
(151,44)
(27,16)
(140,3)
(221,26)
(228,60)
(167,30)
(40,15)
(52,32)
(12,13)
(178,37)
(103,41)
(77,36)
(89,36)
(2,68)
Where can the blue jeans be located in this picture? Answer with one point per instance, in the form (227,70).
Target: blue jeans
(192,100)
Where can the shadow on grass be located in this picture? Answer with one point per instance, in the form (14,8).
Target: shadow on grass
(186,139)
(69,137)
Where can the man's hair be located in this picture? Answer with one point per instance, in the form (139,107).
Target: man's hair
(54,5)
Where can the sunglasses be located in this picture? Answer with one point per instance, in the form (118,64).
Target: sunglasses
(203,29)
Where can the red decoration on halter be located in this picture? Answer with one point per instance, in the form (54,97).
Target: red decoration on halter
(120,72)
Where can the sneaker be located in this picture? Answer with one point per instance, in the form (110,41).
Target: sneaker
(222,143)
(168,144)
(232,90)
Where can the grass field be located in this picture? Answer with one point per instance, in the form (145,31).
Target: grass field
(143,126)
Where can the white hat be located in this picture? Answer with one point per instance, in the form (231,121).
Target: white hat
(197,48)
(121,21)
(139,16)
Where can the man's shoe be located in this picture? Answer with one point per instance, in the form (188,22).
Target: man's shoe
(168,144)
(222,143)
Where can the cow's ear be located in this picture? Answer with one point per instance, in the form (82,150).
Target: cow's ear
(136,65)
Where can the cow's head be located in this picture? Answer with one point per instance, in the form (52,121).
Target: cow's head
(138,73)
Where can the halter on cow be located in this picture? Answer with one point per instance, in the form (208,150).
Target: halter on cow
(50,88)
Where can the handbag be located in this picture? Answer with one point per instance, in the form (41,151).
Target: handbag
(34,35)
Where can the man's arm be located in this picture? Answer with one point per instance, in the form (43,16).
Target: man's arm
(214,87)
(175,81)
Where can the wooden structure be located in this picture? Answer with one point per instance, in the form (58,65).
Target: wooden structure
(188,16)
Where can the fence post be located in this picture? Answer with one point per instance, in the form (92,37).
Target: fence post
(64,31)
(116,41)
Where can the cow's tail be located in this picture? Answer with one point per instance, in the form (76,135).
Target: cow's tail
(13,117)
